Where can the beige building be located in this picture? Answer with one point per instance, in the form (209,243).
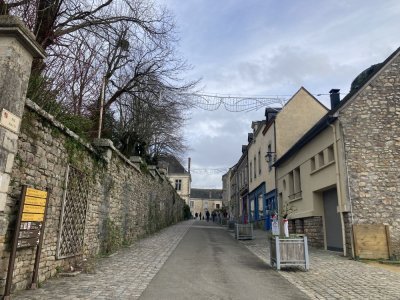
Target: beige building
(344,171)
(178,176)
(202,200)
(271,138)
(226,190)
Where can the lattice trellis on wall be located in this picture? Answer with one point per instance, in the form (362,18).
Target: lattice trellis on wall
(73,214)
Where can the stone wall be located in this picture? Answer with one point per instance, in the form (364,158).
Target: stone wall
(124,203)
(311,227)
(371,134)
(348,233)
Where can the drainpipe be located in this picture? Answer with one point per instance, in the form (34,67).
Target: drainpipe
(348,191)
(339,189)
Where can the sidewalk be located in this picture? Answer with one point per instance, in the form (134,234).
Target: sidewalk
(125,275)
(332,276)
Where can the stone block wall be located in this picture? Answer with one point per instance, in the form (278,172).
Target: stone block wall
(312,227)
(135,202)
(371,135)
(348,233)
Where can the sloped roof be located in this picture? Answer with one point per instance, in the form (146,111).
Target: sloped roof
(206,193)
(172,164)
(329,118)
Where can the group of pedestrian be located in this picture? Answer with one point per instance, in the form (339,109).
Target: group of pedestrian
(214,216)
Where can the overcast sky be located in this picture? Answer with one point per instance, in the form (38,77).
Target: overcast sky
(272,47)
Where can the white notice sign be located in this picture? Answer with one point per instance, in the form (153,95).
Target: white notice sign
(275,227)
(10,121)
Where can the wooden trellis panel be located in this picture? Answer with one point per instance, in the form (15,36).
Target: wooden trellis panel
(73,214)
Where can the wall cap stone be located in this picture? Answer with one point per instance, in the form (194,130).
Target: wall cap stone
(136,159)
(14,27)
(106,143)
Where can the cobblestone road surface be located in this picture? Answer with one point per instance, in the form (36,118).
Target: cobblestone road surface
(334,277)
(122,276)
(127,274)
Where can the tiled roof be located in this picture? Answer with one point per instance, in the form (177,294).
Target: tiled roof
(206,193)
(172,164)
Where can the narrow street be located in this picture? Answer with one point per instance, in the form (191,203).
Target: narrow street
(200,260)
(209,264)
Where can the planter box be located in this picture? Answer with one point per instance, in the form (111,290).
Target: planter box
(244,231)
(289,252)
(231,225)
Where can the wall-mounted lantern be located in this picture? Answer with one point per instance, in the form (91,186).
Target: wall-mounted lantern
(270,157)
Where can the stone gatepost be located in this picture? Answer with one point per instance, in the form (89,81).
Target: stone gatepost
(17,50)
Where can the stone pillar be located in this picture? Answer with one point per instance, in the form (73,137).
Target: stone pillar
(104,146)
(17,50)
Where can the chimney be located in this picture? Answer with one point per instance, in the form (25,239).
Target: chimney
(250,137)
(189,160)
(335,97)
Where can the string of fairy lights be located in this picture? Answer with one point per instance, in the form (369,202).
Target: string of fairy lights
(213,102)
(233,103)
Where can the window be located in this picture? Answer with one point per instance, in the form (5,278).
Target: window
(294,184)
(259,162)
(217,206)
(312,164)
(296,177)
(178,184)
(260,207)
(206,205)
(251,170)
(291,184)
(330,154)
(191,204)
(251,210)
(320,159)
(270,161)
(255,164)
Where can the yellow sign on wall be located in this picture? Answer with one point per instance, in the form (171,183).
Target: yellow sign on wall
(35,201)
(29,217)
(36,193)
(33,209)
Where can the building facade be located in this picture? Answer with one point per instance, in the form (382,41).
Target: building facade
(178,176)
(273,137)
(346,166)
(203,200)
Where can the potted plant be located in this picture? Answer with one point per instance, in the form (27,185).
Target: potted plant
(287,210)
(287,250)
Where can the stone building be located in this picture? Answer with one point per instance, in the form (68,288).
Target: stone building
(202,200)
(345,168)
(178,176)
(226,190)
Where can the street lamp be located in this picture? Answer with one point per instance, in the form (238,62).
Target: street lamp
(122,44)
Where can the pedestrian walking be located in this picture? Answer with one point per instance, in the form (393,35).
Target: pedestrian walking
(200,216)
(208,215)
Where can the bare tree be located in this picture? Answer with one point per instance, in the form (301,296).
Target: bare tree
(128,43)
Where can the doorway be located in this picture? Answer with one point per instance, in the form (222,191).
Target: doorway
(333,229)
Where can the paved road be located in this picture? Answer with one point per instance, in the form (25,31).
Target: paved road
(127,274)
(122,276)
(209,264)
